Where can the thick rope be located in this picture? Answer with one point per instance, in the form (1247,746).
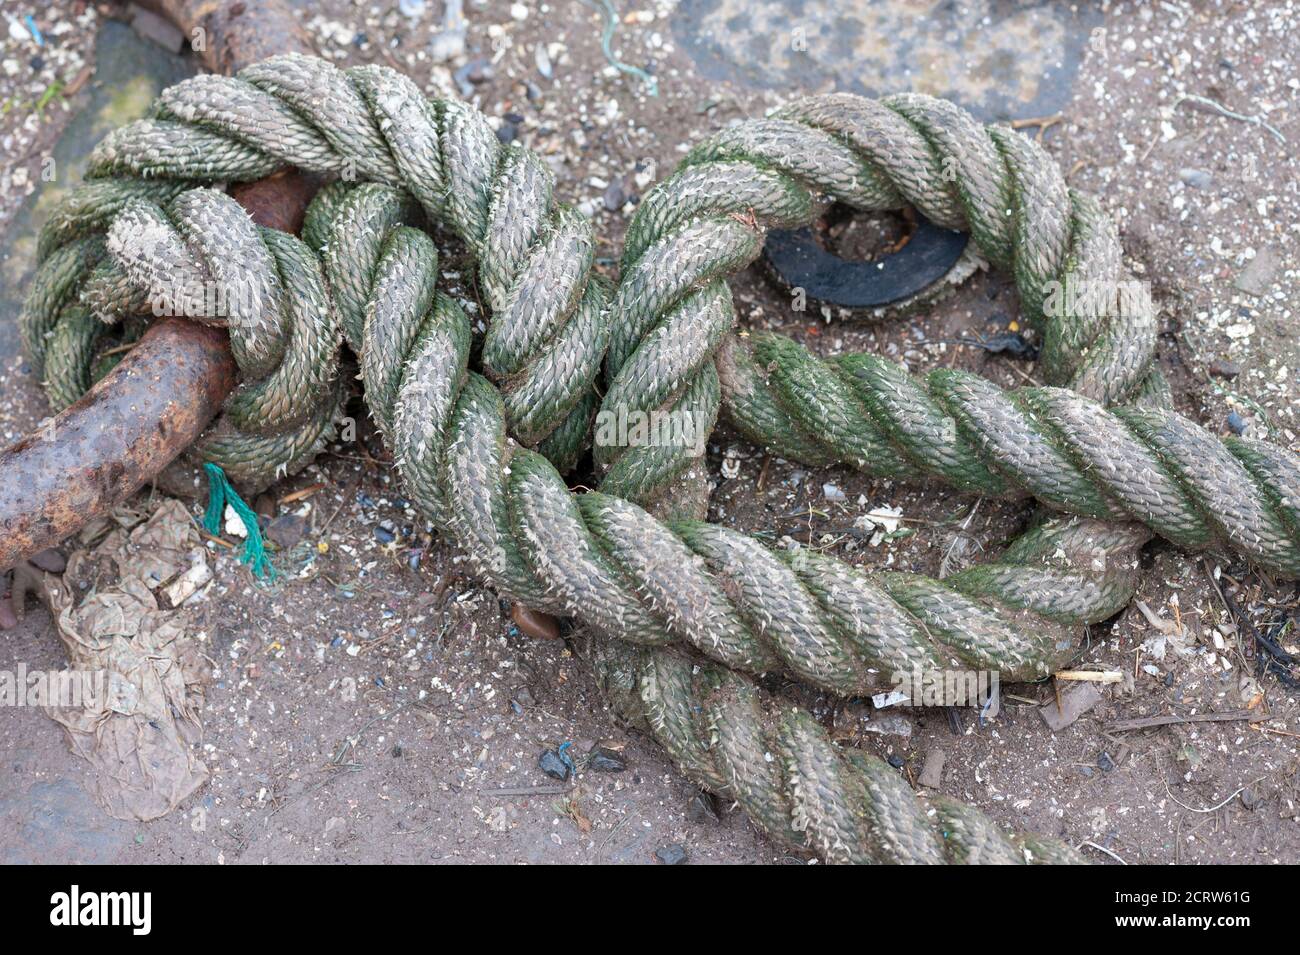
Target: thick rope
(600,557)
(614,564)
(707,220)
(534,255)
(689,232)
(1136,463)
(710,586)
(778,763)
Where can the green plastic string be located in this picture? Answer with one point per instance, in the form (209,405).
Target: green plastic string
(607,38)
(221,493)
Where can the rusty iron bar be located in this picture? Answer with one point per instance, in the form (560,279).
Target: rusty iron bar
(145,412)
(234,33)
(101,449)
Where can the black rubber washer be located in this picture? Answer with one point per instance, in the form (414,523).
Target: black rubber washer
(798,261)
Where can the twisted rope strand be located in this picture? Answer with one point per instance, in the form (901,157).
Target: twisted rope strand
(778,763)
(707,221)
(534,255)
(610,563)
(615,565)
(1149,465)
(688,233)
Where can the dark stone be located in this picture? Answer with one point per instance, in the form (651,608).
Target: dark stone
(896,761)
(552,765)
(1105,762)
(702,809)
(286,530)
(615,197)
(1236,423)
(507,132)
(471,74)
(671,855)
(602,760)
(1222,368)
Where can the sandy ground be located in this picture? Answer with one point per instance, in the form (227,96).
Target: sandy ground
(373,706)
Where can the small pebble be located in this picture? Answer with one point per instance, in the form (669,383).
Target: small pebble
(1196,178)
(671,855)
(1105,763)
(614,198)
(471,74)
(1236,423)
(286,530)
(602,760)
(1222,368)
(896,761)
(702,809)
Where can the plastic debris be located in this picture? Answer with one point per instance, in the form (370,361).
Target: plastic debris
(222,495)
(552,765)
(606,40)
(140,732)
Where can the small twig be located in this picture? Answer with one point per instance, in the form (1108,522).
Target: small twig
(1269,729)
(528,791)
(216,540)
(1224,111)
(1037,121)
(1146,722)
(117,349)
(1044,123)
(302,493)
(1095,676)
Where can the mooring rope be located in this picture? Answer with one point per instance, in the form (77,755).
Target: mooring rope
(480,453)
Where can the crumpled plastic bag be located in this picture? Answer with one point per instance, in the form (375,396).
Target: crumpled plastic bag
(141,733)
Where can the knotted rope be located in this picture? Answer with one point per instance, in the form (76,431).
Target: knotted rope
(465,448)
